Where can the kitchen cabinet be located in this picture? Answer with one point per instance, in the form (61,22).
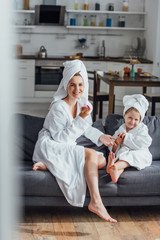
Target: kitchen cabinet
(26,78)
(25,72)
(133,20)
(23,18)
(96,66)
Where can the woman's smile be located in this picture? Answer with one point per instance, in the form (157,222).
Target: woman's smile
(76,87)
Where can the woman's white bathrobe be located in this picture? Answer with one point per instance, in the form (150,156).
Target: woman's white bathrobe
(134,149)
(56,148)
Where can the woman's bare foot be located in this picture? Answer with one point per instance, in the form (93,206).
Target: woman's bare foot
(115,173)
(101,161)
(39,166)
(111,158)
(99,209)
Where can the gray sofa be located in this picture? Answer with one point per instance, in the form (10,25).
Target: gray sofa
(134,188)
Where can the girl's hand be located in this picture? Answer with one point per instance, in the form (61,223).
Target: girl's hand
(107,140)
(84,111)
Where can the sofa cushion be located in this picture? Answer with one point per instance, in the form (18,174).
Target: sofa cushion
(113,122)
(44,184)
(131,183)
(140,183)
(27,134)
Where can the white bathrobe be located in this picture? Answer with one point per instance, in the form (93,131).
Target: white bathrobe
(134,149)
(56,148)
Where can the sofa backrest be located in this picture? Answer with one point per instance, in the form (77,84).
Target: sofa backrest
(113,122)
(26,134)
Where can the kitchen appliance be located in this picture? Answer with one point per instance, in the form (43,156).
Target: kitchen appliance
(42,52)
(47,77)
(49,15)
(101,50)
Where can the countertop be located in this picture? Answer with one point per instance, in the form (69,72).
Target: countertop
(85,58)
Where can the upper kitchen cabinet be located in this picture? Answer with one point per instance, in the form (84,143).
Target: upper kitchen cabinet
(105,20)
(23,18)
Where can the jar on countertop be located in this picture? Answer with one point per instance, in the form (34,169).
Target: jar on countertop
(85,21)
(76,5)
(93,20)
(125,6)
(97,5)
(121,21)
(111,7)
(86,5)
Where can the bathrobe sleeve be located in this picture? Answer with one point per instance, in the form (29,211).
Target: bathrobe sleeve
(61,129)
(138,138)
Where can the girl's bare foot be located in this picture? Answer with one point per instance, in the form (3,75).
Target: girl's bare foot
(39,166)
(101,161)
(111,158)
(115,173)
(99,209)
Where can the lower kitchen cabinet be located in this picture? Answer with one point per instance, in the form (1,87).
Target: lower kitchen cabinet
(26,79)
(25,72)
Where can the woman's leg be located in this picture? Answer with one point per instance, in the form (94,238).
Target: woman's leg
(101,161)
(91,176)
(39,166)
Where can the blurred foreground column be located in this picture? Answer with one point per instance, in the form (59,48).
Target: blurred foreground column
(8,185)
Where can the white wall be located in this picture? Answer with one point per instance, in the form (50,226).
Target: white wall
(60,41)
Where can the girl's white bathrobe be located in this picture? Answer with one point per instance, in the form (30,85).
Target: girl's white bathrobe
(56,148)
(134,149)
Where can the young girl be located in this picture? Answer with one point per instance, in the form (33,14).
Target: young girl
(72,165)
(132,143)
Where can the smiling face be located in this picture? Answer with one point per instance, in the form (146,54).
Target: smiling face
(75,87)
(132,118)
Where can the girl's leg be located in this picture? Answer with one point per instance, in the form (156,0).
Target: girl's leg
(39,166)
(101,161)
(117,168)
(91,176)
(110,163)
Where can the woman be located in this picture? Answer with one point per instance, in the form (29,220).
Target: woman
(69,117)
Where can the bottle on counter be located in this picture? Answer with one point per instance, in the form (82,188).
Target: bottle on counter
(121,22)
(26,4)
(125,6)
(111,7)
(132,73)
(86,5)
(103,49)
(85,21)
(93,20)
(97,5)
(76,5)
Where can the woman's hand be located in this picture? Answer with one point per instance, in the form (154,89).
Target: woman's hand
(107,140)
(84,111)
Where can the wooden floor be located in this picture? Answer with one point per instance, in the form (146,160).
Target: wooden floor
(134,223)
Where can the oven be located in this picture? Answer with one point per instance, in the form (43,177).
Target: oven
(48,76)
